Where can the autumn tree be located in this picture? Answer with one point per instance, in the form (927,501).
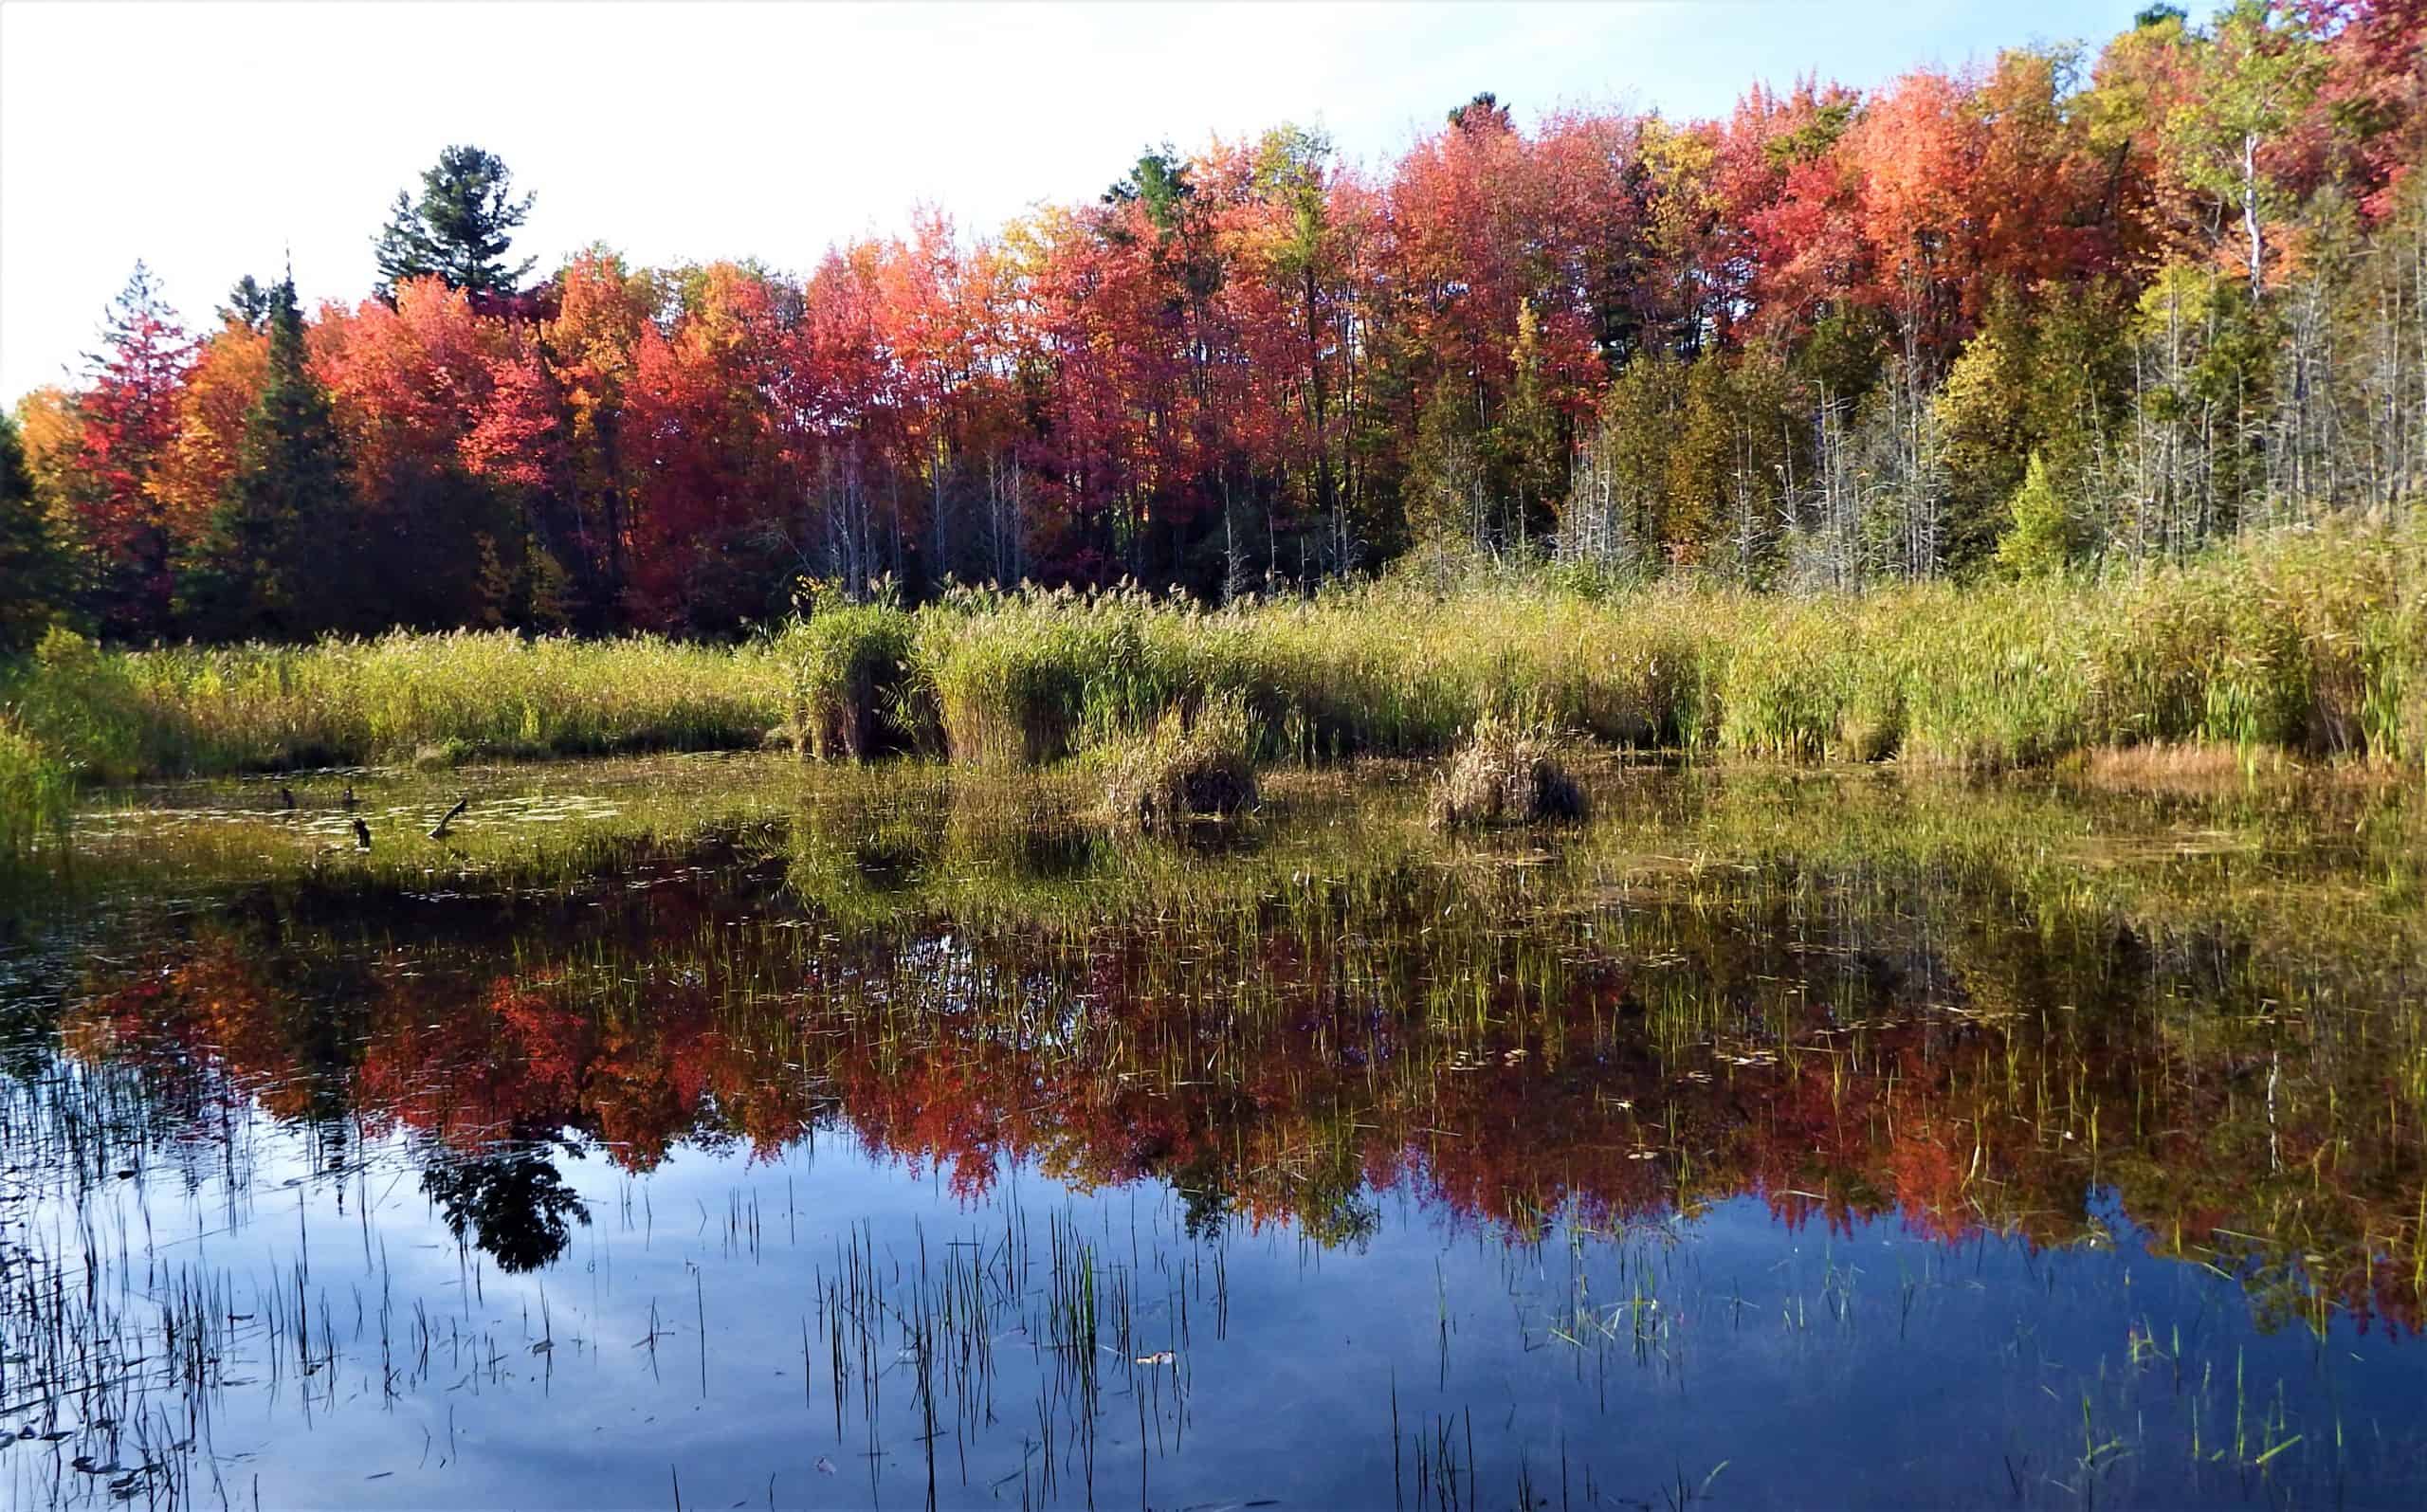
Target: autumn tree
(124,421)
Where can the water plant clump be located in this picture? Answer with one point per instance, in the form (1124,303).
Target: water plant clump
(852,692)
(1191,765)
(1506,772)
(35,792)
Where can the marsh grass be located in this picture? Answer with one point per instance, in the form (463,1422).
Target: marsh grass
(180,711)
(854,694)
(35,794)
(1195,764)
(2310,641)
(1506,772)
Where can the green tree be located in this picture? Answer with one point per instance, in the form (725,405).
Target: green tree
(274,561)
(2255,80)
(2047,377)
(33,568)
(461,228)
(2040,538)
(1526,443)
(1445,495)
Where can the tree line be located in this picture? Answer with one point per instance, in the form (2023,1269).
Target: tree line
(2058,309)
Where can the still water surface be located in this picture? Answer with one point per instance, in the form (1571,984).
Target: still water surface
(730,1133)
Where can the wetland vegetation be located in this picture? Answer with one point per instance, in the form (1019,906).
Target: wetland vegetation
(749,1130)
(1622,811)
(2310,642)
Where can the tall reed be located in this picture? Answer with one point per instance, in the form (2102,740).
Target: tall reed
(2311,641)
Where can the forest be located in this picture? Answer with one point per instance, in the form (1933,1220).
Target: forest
(2066,310)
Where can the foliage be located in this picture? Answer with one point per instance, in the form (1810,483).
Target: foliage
(459,228)
(2040,539)
(273,559)
(1811,345)
(33,568)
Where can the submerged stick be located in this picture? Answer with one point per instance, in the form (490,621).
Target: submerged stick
(461,804)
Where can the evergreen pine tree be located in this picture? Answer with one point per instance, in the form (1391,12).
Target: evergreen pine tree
(459,229)
(272,563)
(2040,539)
(33,569)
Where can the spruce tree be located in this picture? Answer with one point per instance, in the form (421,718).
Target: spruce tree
(33,569)
(459,229)
(273,562)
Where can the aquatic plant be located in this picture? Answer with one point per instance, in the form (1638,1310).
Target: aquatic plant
(1506,772)
(1195,764)
(35,792)
(851,680)
(198,710)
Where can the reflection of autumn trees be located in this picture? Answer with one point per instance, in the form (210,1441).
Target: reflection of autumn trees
(1789,1037)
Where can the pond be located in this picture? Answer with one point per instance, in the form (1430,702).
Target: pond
(725,1132)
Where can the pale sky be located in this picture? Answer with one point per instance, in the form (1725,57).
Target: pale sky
(212,139)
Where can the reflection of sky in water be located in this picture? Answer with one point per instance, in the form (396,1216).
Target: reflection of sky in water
(1940,1028)
(1873,1363)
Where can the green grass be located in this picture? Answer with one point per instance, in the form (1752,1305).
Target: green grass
(2311,642)
(35,794)
(118,715)
(854,694)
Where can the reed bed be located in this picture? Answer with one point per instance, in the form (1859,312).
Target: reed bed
(192,710)
(2311,642)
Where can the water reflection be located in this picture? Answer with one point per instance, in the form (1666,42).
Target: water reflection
(1745,1023)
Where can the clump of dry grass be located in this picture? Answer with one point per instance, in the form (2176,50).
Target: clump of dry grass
(1190,766)
(2176,766)
(1506,773)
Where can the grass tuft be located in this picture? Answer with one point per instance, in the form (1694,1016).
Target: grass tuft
(1189,767)
(1506,772)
